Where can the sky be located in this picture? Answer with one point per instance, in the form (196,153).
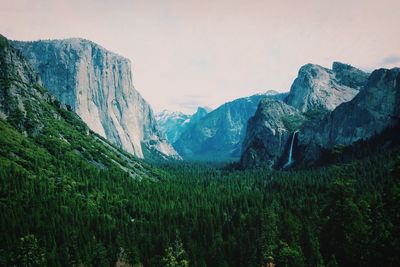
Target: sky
(189,53)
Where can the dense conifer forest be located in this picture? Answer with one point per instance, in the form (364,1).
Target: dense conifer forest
(60,210)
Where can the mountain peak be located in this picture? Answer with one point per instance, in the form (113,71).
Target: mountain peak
(309,67)
(320,88)
(202,110)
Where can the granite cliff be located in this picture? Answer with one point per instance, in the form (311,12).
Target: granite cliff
(97,85)
(322,89)
(269,133)
(41,134)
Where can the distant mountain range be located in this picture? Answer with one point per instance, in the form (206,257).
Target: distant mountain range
(325,108)
(173,123)
(218,135)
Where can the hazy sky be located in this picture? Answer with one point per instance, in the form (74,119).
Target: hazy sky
(187,53)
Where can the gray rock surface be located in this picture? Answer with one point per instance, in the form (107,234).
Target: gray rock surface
(375,108)
(269,133)
(97,84)
(319,88)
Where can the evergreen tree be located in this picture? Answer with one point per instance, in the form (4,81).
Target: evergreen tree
(175,256)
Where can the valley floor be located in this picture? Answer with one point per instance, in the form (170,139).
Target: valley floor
(199,215)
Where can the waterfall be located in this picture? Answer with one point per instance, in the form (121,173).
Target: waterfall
(290,158)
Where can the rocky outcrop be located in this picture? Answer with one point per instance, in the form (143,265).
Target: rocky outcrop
(269,134)
(97,84)
(322,89)
(219,135)
(374,109)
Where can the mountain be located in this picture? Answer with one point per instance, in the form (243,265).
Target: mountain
(269,133)
(97,85)
(373,110)
(320,89)
(173,123)
(42,136)
(219,134)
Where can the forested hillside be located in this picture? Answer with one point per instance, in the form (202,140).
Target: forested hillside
(342,215)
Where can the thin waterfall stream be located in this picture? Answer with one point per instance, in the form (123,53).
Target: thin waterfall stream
(290,156)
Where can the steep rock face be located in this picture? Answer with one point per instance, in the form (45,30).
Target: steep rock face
(268,133)
(375,108)
(97,84)
(219,135)
(173,123)
(34,121)
(318,88)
